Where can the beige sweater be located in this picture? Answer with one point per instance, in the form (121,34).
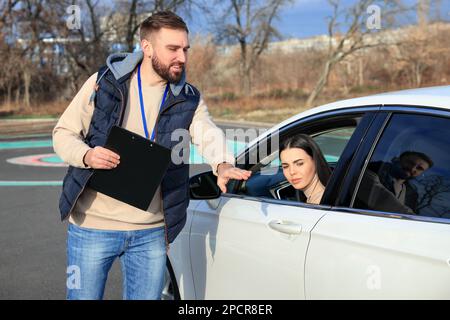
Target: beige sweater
(99,211)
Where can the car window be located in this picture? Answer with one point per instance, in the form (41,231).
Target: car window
(331,143)
(268,179)
(409,170)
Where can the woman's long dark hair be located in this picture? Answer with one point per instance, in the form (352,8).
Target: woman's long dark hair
(307,144)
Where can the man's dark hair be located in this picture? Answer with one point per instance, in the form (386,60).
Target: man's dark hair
(410,155)
(161,19)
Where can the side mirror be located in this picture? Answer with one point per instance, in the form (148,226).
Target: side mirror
(204,186)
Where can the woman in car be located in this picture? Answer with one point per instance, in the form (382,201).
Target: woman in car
(304,166)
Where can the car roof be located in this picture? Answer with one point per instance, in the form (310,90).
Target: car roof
(436,97)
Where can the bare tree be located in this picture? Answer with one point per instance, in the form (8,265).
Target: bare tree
(23,17)
(356,38)
(201,62)
(132,24)
(36,43)
(6,8)
(8,54)
(422,46)
(423,11)
(250,24)
(87,47)
(414,55)
(434,195)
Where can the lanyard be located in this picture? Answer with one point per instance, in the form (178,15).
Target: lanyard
(141,100)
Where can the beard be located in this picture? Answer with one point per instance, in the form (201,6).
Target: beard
(164,71)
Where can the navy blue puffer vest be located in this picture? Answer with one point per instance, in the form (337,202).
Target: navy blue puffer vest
(176,113)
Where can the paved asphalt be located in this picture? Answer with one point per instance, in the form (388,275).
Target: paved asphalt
(32,237)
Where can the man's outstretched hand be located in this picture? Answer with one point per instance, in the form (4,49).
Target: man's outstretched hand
(226,171)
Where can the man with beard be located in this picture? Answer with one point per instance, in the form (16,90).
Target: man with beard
(396,175)
(144,92)
(386,186)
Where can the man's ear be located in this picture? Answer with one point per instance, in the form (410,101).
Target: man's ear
(147,47)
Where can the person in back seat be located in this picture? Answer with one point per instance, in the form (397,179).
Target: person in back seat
(386,185)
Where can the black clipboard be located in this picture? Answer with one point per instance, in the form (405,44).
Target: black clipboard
(143,164)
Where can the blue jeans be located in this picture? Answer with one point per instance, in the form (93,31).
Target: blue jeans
(91,253)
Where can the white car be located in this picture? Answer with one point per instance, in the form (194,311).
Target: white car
(260,241)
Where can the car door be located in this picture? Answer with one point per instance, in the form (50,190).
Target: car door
(247,244)
(381,242)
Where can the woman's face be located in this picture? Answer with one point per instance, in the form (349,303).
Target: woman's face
(298,167)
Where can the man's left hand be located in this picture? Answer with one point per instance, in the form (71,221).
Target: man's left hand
(226,171)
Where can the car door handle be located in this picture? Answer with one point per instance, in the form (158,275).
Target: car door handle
(285,227)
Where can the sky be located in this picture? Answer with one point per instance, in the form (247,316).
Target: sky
(307,18)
